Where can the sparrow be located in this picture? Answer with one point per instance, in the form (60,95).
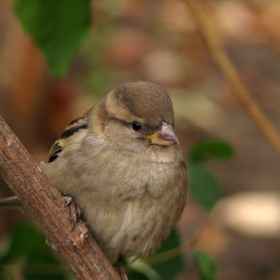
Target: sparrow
(122,165)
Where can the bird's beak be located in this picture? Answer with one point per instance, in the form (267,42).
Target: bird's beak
(164,137)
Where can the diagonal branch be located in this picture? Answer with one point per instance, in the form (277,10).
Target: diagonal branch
(227,68)
(77,248)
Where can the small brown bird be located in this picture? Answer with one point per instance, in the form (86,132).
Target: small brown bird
(122,165)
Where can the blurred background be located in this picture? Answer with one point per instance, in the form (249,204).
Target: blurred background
(154,40)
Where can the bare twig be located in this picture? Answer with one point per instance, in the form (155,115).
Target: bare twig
(231,74)
(77,248)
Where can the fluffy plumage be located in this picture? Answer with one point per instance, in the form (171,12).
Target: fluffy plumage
(121,164)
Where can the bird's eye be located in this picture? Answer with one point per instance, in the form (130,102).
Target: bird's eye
(136,126)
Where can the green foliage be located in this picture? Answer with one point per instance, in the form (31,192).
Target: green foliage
(204,186)
(206,265)
(175,262)
(100,74)
(166,264)
(27,255)
(211,149)
(58,27)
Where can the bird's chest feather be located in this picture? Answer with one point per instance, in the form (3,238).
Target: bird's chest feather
(122,176)
(136,226)
(139,204)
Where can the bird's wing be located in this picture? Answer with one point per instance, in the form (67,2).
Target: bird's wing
(73,127)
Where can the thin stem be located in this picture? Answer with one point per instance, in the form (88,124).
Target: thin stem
(230,72)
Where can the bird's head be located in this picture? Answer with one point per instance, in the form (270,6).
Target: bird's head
(138,113)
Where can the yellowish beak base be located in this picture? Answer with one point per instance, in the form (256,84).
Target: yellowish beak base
(164,137)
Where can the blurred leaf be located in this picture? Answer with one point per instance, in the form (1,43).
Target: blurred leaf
(142,270)
(206,265)
(166,264)
(204,186)
(171,265)
(99,80)
(28,252)
(211,148)
(134,275)
(58,27)
(168,261)
(23,240)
